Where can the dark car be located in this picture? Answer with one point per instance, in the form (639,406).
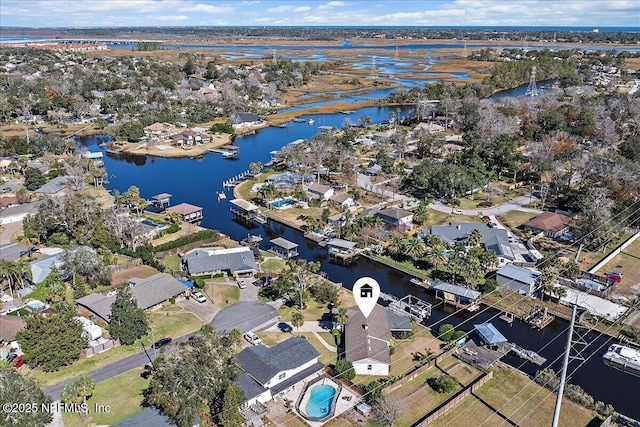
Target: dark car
(11,356)
(162,342)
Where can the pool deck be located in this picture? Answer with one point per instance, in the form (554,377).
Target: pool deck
(278,411)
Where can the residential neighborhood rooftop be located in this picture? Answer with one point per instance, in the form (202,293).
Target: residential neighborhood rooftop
(185,208)
(549,221)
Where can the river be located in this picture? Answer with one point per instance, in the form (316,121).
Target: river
(196,181)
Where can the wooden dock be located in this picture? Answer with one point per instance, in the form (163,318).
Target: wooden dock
(528,355)
(539,318)
(481,357)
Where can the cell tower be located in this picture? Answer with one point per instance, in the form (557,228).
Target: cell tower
(274,57)
(397,55)
(532,90)
(374,71)
(464,51)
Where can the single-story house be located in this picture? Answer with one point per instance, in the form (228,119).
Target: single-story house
(518,279)
(429,127)
(342,200)
(336,220)
(551,224)
(493,239)
(270,371)
(41,268)
(395,217)
(288,180)
(60,185)
(158,131)
(238,262)
(367,341)
(148,292)
(10,326)
(243,120)
(320,191)
(17,213)
(190,213)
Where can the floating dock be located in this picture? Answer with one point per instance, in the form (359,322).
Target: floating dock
(528,355)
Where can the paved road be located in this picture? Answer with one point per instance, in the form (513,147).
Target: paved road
(518,203)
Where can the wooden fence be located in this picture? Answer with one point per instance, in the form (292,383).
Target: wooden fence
(129,264)
(454,400)
(418,371)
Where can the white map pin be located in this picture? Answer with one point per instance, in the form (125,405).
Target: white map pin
(366,292)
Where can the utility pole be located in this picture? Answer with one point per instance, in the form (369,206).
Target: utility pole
(563,375)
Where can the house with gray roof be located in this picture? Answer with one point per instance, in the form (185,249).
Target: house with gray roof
(60,185)
(395,217)
(148,292)
(238,262)
(270,371)
(41,267)
(493,239)
(243,120)
(457,295)
(367,341)
(320,191)
(519,279)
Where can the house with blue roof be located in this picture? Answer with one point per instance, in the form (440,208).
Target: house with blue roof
(519,279)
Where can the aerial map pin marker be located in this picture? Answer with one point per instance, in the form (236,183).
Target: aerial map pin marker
(366,292)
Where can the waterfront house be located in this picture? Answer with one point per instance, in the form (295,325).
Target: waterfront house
(337,220)
(551,224)
(519,279)
(320,191)
(160,131)
(284,248)
(367,341)
(493,239)
(272,371)
(148,292)
(190,213)
(237,262)
(60,186)
(244,120)
(342,200)
(456,295)
(395,217)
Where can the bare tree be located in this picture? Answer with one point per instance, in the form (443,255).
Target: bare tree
(387,410)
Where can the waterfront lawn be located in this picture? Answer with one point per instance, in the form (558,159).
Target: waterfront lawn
(464,373)
(222,292)
(291,216)
(227,243)
(173,262)
(628,263)
(165,325)
(273,266)
(402,360)
(123,394)
(185,230)
(406,265)
(521,400)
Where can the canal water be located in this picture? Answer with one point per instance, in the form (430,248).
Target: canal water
(196,181)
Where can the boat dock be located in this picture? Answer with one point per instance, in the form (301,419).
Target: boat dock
(240,178)
(539,318)
(507,317)
(408,306)
(421,282)
(528,355)
(480,356)
(251,240)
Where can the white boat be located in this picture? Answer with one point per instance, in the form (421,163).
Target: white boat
(624,358)
(311,121)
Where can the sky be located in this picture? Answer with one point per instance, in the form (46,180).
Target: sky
(117,13)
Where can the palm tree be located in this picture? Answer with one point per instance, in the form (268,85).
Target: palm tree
(421,215)
(268,192)
(297,320)
(475,237)
(436,256)
(414,247)
(547,281)
(342,317)
(396,246)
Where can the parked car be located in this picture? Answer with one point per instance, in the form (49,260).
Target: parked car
(242,284)
(162,342)
(198,297)
(252,338)
(11,356)
(17,362)
(616,276)
(491,224)
(458,211)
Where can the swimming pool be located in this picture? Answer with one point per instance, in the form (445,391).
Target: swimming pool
(320,401)
(36,305)
(282,203)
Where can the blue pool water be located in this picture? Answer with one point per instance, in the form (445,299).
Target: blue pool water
(284,202)
(320,400)
(36,305)
(148,222)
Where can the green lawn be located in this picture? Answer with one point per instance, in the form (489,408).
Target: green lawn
(173,262)
(164,324)
(405,265)
(123,395)
(273,266)
(223,294)
(516,397)
(515,219)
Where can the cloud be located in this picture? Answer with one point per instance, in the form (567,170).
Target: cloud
(207,8)
(279,9)
(302,9)
(331,5)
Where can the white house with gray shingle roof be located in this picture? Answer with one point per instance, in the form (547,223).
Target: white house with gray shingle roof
(269,371)
(367,341)
(239,262)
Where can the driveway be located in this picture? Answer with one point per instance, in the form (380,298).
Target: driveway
(206,311)
(246,316)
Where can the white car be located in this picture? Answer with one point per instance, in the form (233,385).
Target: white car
(458,211)
(198,297)
(252,338)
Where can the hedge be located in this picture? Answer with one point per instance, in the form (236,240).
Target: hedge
(185,240)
